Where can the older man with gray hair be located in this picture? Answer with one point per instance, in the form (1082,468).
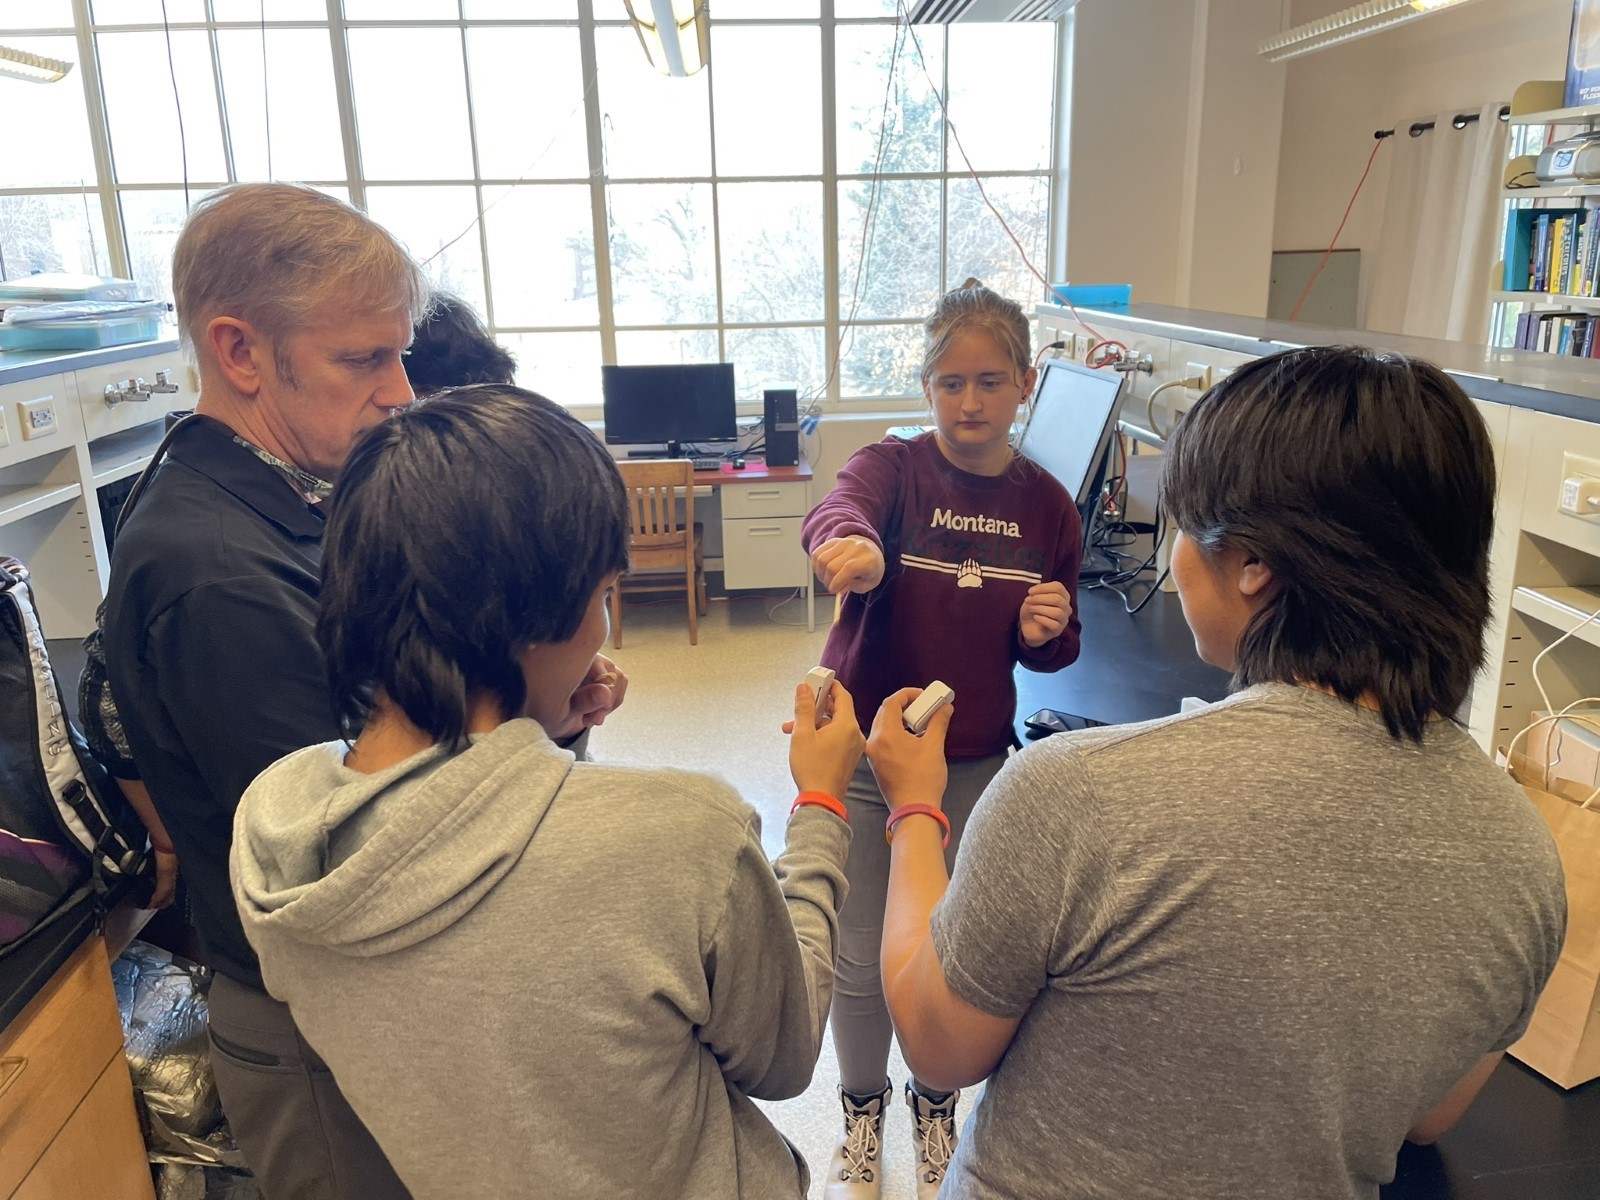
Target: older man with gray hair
(297,309)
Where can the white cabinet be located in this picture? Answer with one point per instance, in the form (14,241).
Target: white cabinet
(60,441)
(761,535)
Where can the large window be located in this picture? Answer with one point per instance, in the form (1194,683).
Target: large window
(796,204)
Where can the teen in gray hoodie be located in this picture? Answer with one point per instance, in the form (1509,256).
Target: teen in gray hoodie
(532,975)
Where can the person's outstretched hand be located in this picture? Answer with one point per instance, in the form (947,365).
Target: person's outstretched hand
(848,564)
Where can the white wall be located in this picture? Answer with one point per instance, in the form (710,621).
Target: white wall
(1130,89)
(1173,158)
(1454,60)
(1237,158)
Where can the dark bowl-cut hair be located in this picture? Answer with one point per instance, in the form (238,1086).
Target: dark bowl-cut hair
(1366,482)
(450,347)
(462,531)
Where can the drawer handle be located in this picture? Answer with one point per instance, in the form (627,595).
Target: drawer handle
(765,531)
(10,1071)
(765,494)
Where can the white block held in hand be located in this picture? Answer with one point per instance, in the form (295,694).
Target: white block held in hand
(920,711)
(819,679)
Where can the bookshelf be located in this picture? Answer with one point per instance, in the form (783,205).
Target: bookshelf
(1546,298)
(1562,191)
(1557,116)
(1545,291)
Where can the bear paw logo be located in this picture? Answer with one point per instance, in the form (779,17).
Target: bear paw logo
(969,575)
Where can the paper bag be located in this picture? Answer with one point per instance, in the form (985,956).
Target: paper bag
(1563,1039)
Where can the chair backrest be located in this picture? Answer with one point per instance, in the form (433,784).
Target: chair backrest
(654,490)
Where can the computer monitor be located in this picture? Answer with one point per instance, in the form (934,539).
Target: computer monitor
(1069,429)
(670,403)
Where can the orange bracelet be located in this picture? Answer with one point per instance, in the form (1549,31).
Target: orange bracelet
(821,800)
(915,810)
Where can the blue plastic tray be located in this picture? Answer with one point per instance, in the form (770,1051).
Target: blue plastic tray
(1091,295)
(79,335)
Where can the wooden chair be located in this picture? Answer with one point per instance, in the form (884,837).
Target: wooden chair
(664,548)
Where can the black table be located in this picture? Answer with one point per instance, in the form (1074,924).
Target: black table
(1524,1138)
(28,965)
(1131,668)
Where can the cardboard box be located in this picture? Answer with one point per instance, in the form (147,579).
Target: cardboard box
(1566,750)
(1562,1042)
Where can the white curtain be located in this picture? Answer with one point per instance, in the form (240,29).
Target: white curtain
(1439,238)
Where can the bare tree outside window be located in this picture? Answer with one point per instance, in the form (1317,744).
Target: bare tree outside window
(732,228)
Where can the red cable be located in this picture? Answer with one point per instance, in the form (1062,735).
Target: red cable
(944,109)
(1298,303)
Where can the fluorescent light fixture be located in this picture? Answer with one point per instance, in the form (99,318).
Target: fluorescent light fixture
(35,68)
(676,34)
(1347,24)
(949,12)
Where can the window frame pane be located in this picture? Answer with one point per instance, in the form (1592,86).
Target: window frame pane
(818,335)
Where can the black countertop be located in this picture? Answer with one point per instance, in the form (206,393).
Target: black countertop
(1566,387)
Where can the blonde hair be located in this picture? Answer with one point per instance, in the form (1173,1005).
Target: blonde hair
(973,306)
(279,254)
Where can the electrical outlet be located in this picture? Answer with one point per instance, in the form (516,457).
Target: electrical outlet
(37,417)
(1580,496)
(5,434)
(1580,486)
(1198,371)
(1082,343)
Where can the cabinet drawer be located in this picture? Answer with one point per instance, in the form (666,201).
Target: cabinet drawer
(763,554)
(52,1055)
(763,500)
(99,1153)
(100,418)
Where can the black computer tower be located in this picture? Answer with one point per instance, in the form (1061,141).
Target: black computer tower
(783,426)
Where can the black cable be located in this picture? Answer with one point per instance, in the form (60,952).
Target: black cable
(266,95)
(172,74)
(1154,588)
(1120,581)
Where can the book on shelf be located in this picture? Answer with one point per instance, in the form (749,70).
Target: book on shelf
(1567,332)
(1583,57)
(1589,260)
(1553,251)
(1558,252)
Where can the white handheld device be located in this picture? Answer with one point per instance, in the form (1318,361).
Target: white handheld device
(819,679)
(920,711)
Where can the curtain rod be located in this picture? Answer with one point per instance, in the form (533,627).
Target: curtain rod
(1460,121)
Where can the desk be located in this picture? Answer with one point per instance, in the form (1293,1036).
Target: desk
(762,510)
(1524,1138)
(68,1126)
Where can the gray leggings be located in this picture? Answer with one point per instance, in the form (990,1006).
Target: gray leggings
(861,1026)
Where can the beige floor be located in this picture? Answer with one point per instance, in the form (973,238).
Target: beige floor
(717,707)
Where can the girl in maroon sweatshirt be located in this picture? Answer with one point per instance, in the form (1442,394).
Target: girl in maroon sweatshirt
(956,559)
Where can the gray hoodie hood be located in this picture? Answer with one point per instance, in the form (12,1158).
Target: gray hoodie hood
(369,864)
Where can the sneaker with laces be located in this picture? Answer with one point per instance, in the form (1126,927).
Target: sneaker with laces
(934,1138)
(856,1172)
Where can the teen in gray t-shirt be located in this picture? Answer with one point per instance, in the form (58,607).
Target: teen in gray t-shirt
(1248,951)
(1251,946)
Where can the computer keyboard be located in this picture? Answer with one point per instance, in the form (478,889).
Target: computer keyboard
(707,464)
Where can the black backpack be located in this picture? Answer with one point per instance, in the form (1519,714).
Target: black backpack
(64,823)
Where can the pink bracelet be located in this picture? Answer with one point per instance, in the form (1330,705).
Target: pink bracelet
(915,810)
